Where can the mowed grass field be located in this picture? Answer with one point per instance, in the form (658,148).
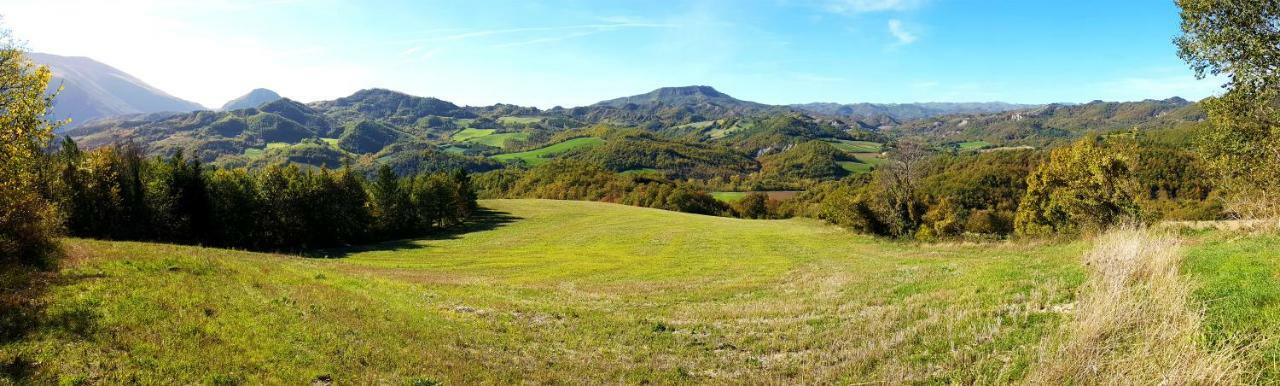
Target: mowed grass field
(557,292)
(544,154)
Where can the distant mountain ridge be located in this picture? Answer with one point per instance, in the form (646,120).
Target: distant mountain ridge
(93,90)
(1055,121)
(256,97)
(902,112)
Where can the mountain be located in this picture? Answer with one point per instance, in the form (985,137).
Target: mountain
(94,90)
(902,112)
(255,98)
(668,106)
(1048,123)
(680,132)
(687,95)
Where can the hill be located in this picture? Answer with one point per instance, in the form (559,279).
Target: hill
(668,106)
(1056,121)
(596,293)
(901,112)
(93,90)
(256,97)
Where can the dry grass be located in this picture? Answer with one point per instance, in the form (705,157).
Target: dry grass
(1136,322)
(1248,226)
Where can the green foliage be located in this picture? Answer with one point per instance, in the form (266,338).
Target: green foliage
(28,221)
(389,107)
(755,205)
(503,295)
(1241,297)
(114,193)
(416,158)
(577,180)
(541,155)
(367,137)
(1055,123)
(812,160)
(309,152)
(229,126)
(1085,187)
(470,133)
(274,128)
(624,150)
(777,131)
(1237,39)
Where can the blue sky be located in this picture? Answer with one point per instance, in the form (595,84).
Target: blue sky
(547,53)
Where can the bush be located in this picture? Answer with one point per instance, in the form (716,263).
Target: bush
(1085,187)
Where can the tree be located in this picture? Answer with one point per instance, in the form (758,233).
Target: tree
(1239,39)
(28,221)
(901,208)
(1082,188)
(753,205)
(390,205)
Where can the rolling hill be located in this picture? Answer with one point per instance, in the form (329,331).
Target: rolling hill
(683,132)
(93,90)
(1047,123)
(902,112)
(558,291)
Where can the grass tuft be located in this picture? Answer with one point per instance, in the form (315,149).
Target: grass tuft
(1136,322)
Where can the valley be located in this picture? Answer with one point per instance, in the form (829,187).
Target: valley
(553,192)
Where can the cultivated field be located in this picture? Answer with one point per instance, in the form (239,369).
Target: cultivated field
(582,292)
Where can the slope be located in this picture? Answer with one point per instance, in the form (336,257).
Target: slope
(557,291)
(94,90)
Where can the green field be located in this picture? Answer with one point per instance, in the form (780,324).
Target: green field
(869,158)
(544,154)
(728,196)
(856,167)
(499,140)
(469,133)
(557,292)
(855,146)
(1238,286)
(519,120)
(255,152)
(487,137)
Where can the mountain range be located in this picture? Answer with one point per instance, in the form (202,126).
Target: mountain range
(682,132)
(92,90)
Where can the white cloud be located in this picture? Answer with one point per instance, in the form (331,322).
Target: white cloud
(899,32)
(868,6)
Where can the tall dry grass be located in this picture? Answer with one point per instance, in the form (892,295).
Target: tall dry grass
(1135,322)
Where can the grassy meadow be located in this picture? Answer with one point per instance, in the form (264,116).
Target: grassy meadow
(544,154)
(557,291)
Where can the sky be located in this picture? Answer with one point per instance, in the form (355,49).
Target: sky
(572,53)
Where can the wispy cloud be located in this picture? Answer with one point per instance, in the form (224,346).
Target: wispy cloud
(869,6)
(573,29)
(901,33)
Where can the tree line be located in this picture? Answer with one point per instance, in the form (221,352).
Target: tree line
(1081,187)
(116,192)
